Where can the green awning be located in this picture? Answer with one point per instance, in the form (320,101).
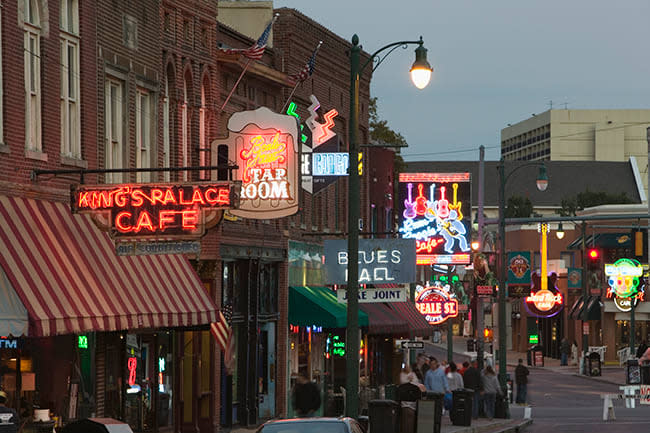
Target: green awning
(318,306)
(592,310)
(603,240)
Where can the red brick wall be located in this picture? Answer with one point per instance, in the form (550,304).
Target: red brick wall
(15,167)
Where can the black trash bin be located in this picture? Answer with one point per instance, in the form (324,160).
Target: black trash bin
(383,416)
(461,410)
(632,372)
(390,392)
(501,407)
(593,364)
(409,393)
(471,345)
(645,373)
(429,413)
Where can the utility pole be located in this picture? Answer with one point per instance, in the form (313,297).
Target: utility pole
(585,337)
(450,325)
(480,325)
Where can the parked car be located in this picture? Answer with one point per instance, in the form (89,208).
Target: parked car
(312,425)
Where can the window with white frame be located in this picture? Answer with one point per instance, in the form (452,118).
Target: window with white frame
(203,142)
(70,79)
(185,132)
(166,131)
(2,135)
(32,48)
(143,122)
(113,109)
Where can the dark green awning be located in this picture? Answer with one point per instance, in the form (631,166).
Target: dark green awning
(577,307)
(318,306)
(592,310)
(603,240)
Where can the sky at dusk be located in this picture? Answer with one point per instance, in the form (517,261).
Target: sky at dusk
(495,62)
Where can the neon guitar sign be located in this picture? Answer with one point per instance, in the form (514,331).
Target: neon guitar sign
(439,226)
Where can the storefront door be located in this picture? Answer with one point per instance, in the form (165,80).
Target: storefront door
(266,371)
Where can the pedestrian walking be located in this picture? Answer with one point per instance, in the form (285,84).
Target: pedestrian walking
(565,350)
(417,372)
(491,389)
(521,377)
(472,380)
(574,352)
(435,379)
(454,378)
(463,368)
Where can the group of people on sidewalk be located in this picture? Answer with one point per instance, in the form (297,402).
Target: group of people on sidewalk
(442,377)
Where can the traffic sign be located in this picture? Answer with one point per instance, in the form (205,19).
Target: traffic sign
(412,344)
(485,291)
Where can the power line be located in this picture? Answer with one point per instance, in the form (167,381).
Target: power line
(446,152)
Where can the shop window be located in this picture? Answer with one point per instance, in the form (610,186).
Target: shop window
(268,288)
(568,258)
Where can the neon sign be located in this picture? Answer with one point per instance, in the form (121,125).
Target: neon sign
(264,145)
(435,304)
(153,210)
(132,365)
(436,213)
(624,281)
(545,302)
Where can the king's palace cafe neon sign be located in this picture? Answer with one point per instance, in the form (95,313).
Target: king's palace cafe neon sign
(154,210)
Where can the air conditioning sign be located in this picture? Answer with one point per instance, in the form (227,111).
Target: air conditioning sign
(380,261)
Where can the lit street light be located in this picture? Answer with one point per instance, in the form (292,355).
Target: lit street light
(420,75)
(542,184)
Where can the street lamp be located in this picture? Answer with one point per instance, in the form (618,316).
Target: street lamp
(420,78)
(542,184)
(560,232)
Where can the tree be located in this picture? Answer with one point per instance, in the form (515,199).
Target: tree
(572,204)
(519,207)
(380,132)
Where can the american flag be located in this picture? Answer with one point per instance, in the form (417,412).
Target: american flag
(222,332)
(255,51)
(309,67)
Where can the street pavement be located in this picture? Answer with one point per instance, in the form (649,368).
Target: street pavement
(561,400)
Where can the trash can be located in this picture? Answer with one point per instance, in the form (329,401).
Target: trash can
(461,410)
(537,353)
(471,345)
(390,392)
(645,373)
(363,422)
(501,407)
(593,364)
(383,416)
(429,413)
(632,372)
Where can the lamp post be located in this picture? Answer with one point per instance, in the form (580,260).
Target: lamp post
(420,74)
(542,184)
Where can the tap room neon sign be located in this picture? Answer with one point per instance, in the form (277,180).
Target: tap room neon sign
(436,212)
(153,210)
(264,146)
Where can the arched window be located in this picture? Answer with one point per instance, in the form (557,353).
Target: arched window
(203,134)
(185,127)
(166,129)
(32,48)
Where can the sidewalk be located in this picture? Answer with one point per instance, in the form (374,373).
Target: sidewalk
(610,374)
(480,425)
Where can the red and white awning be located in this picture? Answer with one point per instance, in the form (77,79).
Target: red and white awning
(66,274)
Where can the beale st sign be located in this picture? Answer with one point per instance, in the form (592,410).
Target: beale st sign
(154,210)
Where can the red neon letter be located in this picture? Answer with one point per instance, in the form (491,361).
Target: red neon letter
(132,365)
(144,221)
(124,228)
(136,198)
(156,195)
(166,219)
(190,219)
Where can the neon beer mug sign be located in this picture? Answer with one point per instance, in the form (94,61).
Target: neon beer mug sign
(264,146)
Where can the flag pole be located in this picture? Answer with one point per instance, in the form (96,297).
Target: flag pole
(290,95)
(236,84)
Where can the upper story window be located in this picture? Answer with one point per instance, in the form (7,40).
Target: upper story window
(166,148)
(1,92)
(203,139)
(113,127)
(143,124)
(32,48)
(70,79)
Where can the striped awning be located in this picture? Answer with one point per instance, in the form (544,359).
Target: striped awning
(69,279)
(418,325)
(382,320)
